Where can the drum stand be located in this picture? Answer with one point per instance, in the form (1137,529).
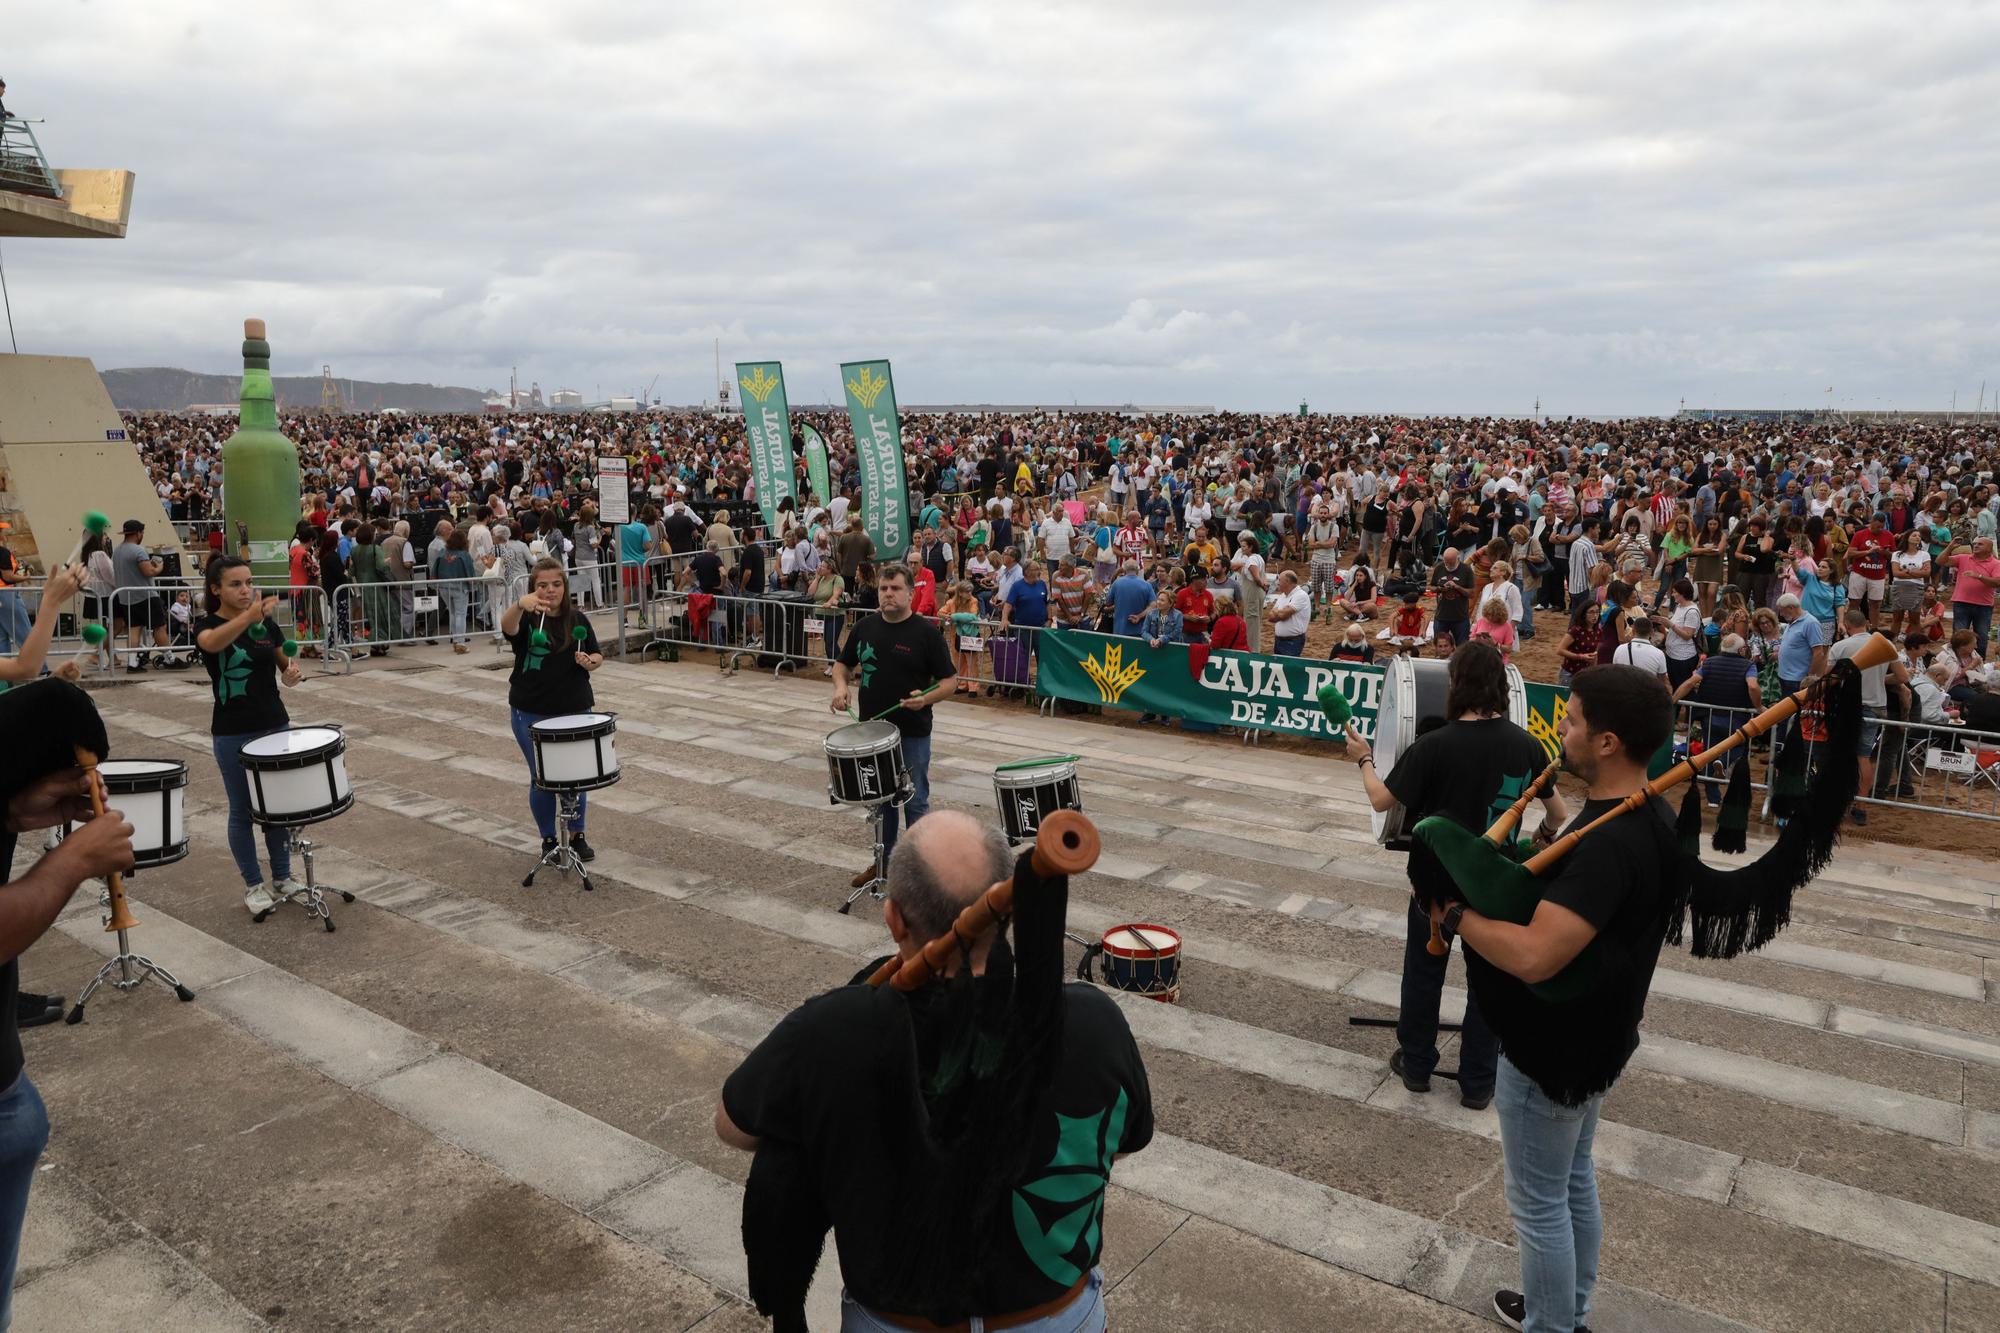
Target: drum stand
(308,895)
(563,856)
(876,814)
(132,969)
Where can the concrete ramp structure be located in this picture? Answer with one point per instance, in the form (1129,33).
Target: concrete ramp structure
(63,452)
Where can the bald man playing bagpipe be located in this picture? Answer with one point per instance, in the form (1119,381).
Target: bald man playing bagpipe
(1560,949)
(955,1123)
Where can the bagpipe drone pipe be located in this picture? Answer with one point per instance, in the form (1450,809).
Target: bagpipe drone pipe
(1731,910)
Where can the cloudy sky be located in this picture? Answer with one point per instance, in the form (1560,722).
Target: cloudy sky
(1399,206)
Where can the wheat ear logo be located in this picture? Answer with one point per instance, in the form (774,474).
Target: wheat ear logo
(1548,730)
(867,387)
(759,385)
(1113,676)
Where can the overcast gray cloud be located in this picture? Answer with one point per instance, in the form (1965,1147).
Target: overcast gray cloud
(1396,206)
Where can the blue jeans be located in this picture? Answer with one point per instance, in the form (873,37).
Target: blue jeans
(1524,628)
(830,634)
(1552,1193)
(542,803)
(453,596)
(24,1132)
(1085,1314)
(1288,645)
(242,841)
(1417,1016)
(917,759)
(14,621)
(1978,619)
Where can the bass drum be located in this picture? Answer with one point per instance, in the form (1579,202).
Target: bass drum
(1414,690)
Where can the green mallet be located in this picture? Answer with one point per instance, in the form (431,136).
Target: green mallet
(540,638)
(257,631)
(579,633)
(94,525)
(291,647)
(95,634)
(1334,704)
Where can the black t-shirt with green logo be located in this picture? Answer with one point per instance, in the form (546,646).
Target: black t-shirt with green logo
(546,680)
(243,678)
(1469,771)
(890,662)
(820,1080)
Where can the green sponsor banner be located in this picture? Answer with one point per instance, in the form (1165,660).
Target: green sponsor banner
(878,447)
(1234,689)
(769,420)
(816,466)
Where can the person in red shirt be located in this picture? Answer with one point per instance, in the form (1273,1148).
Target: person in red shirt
(1227,630)
(1197,607)
(1868,566)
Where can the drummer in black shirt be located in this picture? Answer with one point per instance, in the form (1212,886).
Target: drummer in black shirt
(40,787)
(1471,769)
(900,662)
(551,678)
(241,649)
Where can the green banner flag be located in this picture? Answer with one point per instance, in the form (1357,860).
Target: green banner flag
(816,466)
(1234,689)
(770,424)
(878,447)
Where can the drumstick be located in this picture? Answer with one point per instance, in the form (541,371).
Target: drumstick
(121,911)
(894,706)
(1065,844)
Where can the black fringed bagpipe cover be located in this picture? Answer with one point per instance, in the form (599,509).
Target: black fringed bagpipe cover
(960,1143)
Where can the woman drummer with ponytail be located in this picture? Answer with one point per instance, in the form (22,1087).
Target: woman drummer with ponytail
(555,651)
(241,649)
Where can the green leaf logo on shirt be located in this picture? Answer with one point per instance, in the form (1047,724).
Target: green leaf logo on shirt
(865,665)
(538,653)
(1510,791)
(234,680)
(1067,1244)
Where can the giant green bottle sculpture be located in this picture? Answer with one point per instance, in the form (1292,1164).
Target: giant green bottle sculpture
(260,470)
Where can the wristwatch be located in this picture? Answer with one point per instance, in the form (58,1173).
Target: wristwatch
(1449,926)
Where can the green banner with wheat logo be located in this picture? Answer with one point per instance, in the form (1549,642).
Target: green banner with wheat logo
(1233,689)
(768,419)
(878,448)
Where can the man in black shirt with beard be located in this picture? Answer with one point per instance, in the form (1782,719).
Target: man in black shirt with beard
(1614,895)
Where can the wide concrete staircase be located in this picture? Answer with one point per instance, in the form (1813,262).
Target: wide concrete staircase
(478,1104)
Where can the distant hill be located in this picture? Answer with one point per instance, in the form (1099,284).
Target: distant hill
(163,389)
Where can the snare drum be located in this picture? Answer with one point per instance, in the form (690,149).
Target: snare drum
(1414,691)
(864,763)
(151,793)
(1143,959)
(1029,791)
(576,752)
(297,776)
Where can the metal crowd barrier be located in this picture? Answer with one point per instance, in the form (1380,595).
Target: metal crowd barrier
(301,613)
(1939,768)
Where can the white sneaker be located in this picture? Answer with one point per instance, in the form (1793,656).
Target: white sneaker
(285,887)
(258,900)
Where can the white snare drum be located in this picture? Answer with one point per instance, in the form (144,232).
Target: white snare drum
(576,752)
(151,794)
(1029,791)
(864,762)
(1414,691)
(297,776)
